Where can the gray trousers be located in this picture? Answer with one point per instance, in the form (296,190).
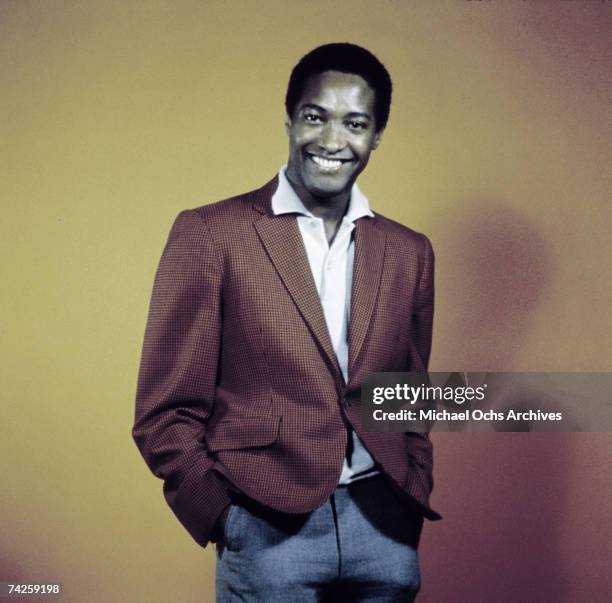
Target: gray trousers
(361,545)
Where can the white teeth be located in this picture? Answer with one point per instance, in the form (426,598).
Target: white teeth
(326,163)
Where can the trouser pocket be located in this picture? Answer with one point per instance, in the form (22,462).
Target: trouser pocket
(230,531)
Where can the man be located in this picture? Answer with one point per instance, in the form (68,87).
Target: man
(268,310)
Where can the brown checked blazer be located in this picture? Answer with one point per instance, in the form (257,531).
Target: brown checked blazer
(239,387)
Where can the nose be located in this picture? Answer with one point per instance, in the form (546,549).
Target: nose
(331,138)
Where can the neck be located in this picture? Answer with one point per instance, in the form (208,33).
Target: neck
(330,209)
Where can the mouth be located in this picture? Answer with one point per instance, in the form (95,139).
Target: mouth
(328,166)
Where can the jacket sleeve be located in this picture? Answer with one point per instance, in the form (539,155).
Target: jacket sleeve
(422,322)
(422,317)
(178,372)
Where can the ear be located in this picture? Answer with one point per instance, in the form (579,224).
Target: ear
(377,138)
(288,123)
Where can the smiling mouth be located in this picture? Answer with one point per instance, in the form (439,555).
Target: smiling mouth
(328,165)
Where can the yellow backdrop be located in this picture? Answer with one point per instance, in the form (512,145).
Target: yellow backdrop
(116,115)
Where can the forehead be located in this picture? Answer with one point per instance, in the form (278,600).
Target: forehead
(338,91)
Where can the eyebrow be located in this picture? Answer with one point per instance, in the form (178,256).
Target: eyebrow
(323,110)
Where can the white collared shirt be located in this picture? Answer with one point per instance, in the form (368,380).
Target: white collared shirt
(332,271)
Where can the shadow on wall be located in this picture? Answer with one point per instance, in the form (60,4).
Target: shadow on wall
(492,269)
(502,495)
(12,572)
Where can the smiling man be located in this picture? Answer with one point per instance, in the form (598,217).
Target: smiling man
(268,310)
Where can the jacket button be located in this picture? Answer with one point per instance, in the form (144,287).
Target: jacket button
(345,402)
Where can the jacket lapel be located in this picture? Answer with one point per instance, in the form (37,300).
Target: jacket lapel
(280,235)
(369,258)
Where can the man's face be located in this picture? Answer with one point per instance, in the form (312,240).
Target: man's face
(331,133)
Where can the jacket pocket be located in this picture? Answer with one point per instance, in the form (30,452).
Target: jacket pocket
(248,431)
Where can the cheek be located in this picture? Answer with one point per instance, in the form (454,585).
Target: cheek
(302,136)
(364,153)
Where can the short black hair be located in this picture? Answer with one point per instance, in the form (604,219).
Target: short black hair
(347,58)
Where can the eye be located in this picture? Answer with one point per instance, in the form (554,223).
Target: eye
(357,125)
(312,117)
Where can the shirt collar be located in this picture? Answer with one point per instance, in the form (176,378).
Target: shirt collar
(286,201)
